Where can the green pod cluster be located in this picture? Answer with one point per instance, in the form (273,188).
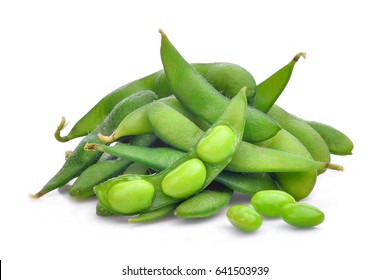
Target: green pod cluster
(218,133)
(179,184)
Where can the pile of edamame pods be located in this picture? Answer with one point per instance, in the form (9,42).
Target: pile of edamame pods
(184,139)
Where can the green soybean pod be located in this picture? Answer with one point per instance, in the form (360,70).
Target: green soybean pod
(244,217)
(268,91)
(137,122)
(302,215)
(94,175)
(298,184)
(310,138)
(200,97)
(161,158)
(232,75)
(228,79)
(205,204)
(270,202)
(338,143)
(179,132)
(153,215)
(81,159)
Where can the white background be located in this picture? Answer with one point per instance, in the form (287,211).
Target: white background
(61,57)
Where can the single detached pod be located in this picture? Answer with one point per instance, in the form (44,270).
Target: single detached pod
(270,202)
(302,215)
(244,217)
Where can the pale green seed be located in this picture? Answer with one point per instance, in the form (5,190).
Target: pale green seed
(185,180)
(244,217)
(217,146)
(270,202)
(131,196)
(302,215)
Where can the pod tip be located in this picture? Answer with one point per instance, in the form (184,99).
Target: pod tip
(161,32)
(35,196)
(298,55)
(57,133)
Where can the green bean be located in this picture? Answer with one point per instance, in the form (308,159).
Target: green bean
(81,159)
(302,215)
(206,203)
(268,91)
(162,157)
(200,97)
(310,138)
(270,202)
(226,77)
(153,215)
(338,143)
(233,117)
(244,218)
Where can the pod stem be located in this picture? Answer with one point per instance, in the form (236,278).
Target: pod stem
(334,166)
(298,56)
(60,127)
(107,139)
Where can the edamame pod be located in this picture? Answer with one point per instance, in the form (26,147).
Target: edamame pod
(137,122)
(310,138)
(163,157)
(81,159)
(338,143)
(233,117)
(298,184)
(94,175)
(216,73)
(179,132)
(201,98)
(205,204)
(269,90)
